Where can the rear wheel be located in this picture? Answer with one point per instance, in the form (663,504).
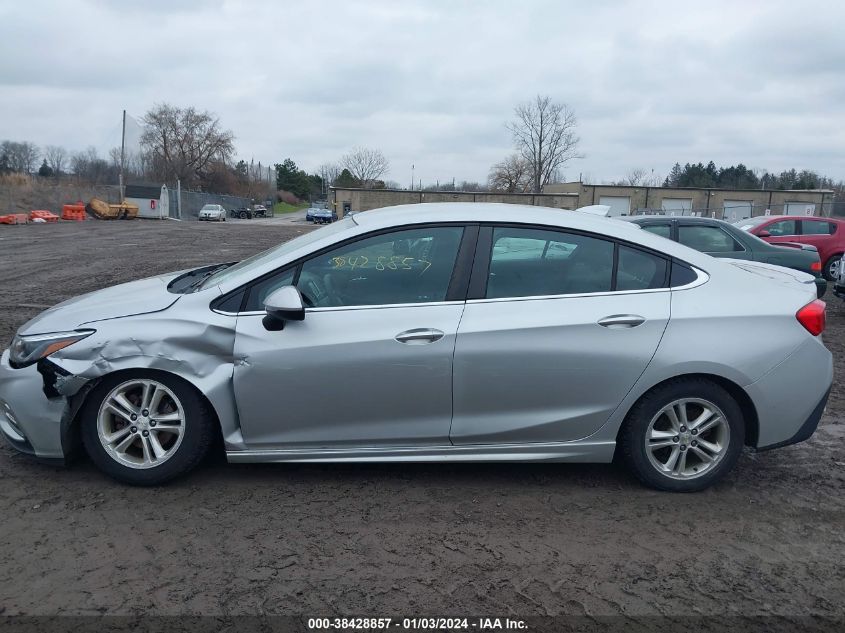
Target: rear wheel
(683,436)
(146,428)
(830,268)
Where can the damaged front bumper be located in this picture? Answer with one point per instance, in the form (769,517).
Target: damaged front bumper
(31,421)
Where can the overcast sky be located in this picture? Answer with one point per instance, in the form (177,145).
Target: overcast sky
(433,83)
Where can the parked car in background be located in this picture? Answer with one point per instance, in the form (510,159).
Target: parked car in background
(447,332)
(244,213)
(826,234)
(722,239)
(839,279)
(212,213)
(260,211)
(311,212)
(324,216)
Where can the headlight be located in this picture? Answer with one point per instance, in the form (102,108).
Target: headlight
(26,350)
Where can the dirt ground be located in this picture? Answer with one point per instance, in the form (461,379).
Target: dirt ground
(397,539)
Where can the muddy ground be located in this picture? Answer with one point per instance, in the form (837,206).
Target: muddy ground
(399,539)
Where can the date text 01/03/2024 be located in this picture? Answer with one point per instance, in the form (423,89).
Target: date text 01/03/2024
(418,623)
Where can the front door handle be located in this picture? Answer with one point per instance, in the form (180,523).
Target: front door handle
(419,336)
(618,321)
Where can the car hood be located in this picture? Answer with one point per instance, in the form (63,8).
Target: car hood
(136,297)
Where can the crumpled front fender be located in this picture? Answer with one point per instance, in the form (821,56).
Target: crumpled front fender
(176,343)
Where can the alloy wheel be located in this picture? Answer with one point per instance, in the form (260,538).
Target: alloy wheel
(687,438)
(141,423)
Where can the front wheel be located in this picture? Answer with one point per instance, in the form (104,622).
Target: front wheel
(831,268)
(683,436)
(146,428)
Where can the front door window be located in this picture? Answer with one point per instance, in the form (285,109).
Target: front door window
(412,266)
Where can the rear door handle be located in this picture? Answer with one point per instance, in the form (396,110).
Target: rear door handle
(618,321)
(419,336)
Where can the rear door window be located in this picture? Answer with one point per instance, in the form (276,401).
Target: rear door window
(707,239)
(663,230)
(639,270)
(817,227)
(535,262)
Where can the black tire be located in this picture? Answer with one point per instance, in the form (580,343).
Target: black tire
(633,433)
(242,215)
(833,260)
(198,433)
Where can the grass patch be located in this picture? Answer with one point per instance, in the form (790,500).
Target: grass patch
(284,207)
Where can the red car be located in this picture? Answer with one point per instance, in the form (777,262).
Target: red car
(826,234)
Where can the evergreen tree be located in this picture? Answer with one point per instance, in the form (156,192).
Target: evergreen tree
(346,179)
(45,171)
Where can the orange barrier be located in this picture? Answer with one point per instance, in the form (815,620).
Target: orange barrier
(75,212)
(44,215)
(14,218)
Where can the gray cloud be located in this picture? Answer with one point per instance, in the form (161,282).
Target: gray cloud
(433,82)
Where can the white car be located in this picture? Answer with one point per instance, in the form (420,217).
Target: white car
(212,212)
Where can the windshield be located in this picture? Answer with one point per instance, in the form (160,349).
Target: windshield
(209,207)
(258,260)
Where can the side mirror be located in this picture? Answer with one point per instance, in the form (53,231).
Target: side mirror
(764,234)
(284,304)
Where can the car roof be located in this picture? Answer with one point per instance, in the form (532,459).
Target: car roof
(438,212)
(663,218)
(794,217)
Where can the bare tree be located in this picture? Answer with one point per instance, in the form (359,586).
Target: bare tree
(88,167)
(184,143)
(635,177)
(114,155)
(366,165)
(329,172)
(512,175)
(20,157)
(56,159)
(639,177)
(544,135)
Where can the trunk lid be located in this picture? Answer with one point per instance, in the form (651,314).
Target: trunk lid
(783,276)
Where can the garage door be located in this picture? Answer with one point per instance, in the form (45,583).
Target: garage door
(677,206)
(734,210)
(619,205)
(799,208)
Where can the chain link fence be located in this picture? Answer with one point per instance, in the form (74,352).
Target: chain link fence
(193,201)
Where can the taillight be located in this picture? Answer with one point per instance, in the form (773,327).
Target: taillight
(816,267)
(811,316)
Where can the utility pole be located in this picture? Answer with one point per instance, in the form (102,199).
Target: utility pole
(412,177)
(122,154)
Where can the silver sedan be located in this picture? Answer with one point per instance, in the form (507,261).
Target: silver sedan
(431,332)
